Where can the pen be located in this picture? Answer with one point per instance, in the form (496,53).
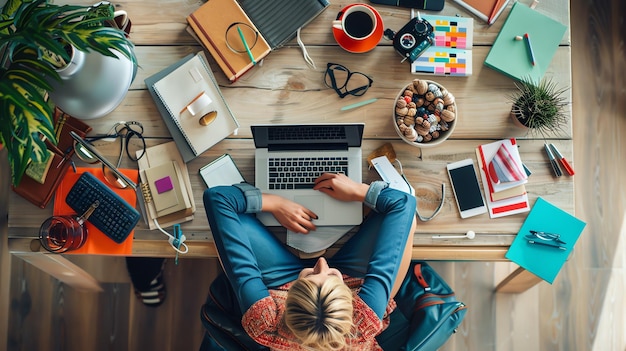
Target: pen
(566,165)
(245,44)
(531,54)
(358,104)
(555,165)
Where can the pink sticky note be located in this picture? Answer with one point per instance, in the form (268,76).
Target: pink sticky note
(164,184)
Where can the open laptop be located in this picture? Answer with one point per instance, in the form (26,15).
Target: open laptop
(309,150)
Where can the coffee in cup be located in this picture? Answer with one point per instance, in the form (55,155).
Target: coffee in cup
(357,21)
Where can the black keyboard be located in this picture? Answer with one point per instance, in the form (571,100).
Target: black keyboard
(113,216)
(300,173)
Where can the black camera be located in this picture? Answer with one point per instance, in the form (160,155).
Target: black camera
(412,39)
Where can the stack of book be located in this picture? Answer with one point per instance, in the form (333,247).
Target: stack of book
(166,194)
(504,177)
(264,25)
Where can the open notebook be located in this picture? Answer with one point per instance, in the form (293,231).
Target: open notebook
(176,89)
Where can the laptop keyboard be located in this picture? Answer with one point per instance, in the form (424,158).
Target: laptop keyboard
(300,173)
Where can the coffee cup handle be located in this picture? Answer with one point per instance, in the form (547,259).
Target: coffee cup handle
(337,24)
(123,18)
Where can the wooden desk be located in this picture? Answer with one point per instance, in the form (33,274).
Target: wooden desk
(285,90)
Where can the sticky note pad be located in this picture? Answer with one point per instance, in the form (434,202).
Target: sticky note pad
(164,184)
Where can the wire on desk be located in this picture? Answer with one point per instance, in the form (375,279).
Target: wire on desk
(172,239)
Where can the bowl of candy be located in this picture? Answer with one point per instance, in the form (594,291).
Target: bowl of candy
(424,113)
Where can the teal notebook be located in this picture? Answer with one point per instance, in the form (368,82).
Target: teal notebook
(511,57)
(540,257)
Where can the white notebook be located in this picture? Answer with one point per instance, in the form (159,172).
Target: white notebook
(179,89)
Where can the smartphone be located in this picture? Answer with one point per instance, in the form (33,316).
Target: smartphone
(469,198)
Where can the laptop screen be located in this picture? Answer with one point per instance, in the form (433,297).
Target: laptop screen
(303,136)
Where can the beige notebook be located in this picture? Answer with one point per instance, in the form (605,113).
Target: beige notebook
(155,156)
(189,93)
(166,188)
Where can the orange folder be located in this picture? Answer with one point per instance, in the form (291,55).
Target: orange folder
(97,242)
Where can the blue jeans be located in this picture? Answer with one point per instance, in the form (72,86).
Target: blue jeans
(255,260)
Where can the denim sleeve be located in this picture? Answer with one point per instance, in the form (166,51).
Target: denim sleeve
(398,211)
(223,206)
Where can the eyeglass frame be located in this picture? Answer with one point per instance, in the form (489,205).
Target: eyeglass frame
(130,132)
(353,92)
(103,160)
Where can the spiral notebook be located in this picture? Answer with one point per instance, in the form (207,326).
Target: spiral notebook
(177,90)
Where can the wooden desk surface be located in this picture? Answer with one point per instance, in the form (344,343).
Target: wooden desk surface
(285,90)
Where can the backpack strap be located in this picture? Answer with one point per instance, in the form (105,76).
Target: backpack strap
(417,270)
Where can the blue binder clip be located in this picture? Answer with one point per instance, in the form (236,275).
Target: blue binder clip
(178,234)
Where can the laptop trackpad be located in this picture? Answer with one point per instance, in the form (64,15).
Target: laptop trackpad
(314,203)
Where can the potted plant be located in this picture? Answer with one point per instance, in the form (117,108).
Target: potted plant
(36,40)
(539,106)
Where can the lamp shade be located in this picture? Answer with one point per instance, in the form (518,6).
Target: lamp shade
(93,85)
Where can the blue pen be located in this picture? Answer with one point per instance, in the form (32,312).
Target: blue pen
(531,53)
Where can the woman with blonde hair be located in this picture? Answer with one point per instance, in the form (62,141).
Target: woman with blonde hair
(290,303)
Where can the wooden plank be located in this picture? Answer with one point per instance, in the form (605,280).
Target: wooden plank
(62,269)
(517,282)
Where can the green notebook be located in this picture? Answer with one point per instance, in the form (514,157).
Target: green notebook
(511,56)
(537,254)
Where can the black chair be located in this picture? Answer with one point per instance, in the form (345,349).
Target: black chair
(427,314)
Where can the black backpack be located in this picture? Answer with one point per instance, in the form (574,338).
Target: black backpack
(426,316)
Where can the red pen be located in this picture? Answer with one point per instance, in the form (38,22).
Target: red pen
(568,168)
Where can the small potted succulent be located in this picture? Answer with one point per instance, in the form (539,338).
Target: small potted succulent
(539,106)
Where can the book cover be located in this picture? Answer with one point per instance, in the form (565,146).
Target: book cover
(450,54)
(154,156)
(452,31)
(487,153)
(500,195)
(178,90)
(279,20)
(444,62)
(512,57)
(39,170)
(166,192)
(514,198)
(213,24)
(486,10)
(545,258)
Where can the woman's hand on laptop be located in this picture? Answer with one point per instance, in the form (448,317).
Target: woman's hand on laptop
(340,187)
(289,214)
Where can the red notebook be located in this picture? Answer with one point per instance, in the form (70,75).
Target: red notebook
(97,242)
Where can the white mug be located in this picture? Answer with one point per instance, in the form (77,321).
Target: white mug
(358,22)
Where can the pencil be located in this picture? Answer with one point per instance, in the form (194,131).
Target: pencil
(531,54)
(245,44)
(494,11)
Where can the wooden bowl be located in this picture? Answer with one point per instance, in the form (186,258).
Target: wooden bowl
(424,113)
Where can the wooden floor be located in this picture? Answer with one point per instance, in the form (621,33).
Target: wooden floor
(583,310)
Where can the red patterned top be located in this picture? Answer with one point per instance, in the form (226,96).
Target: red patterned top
(264,321)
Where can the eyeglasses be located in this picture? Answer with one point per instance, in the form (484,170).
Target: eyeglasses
(87,153)
(545,238)
(129,132)
(344,82)
(241,38)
